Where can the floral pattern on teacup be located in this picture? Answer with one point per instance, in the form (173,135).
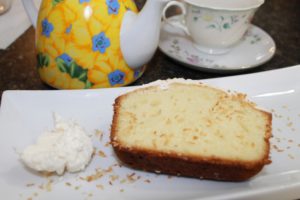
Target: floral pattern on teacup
(175,48)
(188,57)
(217,22)
(223,23)
(252,38)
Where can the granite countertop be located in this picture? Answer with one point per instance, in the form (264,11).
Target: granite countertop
(279,18)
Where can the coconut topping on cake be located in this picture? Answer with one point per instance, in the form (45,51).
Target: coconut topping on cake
(185,127)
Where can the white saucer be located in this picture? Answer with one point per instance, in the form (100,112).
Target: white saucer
(256,48)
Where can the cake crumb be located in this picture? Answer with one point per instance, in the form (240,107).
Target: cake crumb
(41,187)
(123,181)
(30,184)
(272,110)
(290,124)
(99,134)
(277,115)
(291,156)
(277,139)
(99,186)
(277,148)
(278,129)
(98,174)
(107,144)
(110,169)
(68,184)
(147,181)
(121,190)
(46,186)
(77,187)
(131,178)
(114,177)
(101,154)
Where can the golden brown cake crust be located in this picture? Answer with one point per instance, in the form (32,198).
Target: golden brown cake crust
(190,166)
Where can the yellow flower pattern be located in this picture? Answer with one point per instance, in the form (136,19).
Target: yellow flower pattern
(78,44)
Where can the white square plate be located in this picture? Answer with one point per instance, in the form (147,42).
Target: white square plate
(24,115)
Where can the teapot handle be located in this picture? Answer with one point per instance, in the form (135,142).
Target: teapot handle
(31,11)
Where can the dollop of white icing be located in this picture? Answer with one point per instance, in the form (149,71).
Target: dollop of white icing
(65,148)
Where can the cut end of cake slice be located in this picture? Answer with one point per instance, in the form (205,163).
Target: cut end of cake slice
(191,129)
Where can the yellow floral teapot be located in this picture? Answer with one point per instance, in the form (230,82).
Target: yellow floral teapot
(94,43)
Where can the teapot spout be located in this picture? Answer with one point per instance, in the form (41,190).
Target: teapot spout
(140,33)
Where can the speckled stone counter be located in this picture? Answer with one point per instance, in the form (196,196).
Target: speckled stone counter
(280,18)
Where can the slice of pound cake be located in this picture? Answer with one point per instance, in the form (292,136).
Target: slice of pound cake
(191,129)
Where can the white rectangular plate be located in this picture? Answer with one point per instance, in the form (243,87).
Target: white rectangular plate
(24,115)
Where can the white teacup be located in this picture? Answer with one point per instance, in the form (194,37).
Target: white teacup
(215,26)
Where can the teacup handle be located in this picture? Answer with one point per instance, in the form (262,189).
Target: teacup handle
(180,21)
(31,11)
